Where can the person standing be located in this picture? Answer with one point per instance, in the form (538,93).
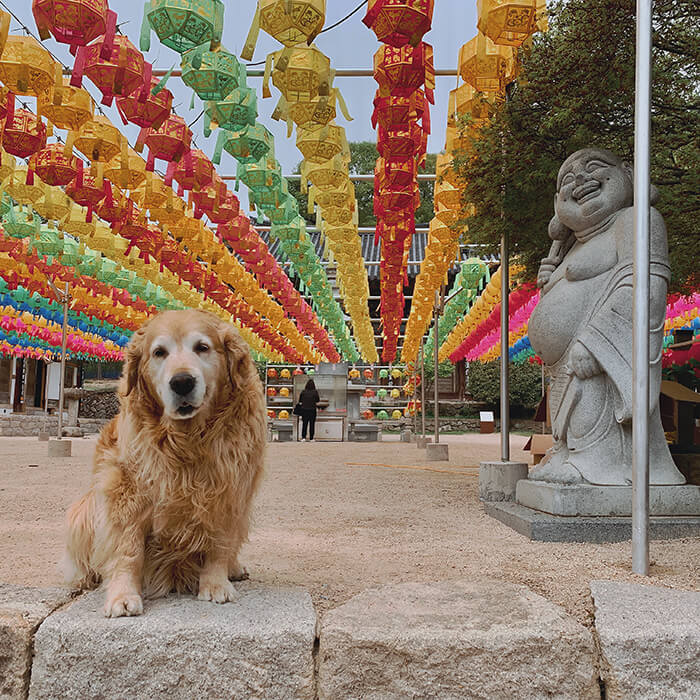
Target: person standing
(308,399)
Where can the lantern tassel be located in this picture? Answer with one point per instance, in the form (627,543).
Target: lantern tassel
(145,35)
(252,38)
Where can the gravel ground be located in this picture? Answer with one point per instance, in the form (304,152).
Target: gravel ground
(337,518)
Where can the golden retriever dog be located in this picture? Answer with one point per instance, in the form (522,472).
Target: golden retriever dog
(175,471)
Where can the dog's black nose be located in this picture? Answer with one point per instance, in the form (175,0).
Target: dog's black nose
(182,384)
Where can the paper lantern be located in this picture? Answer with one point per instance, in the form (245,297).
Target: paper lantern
(399,22)
(396,111)
(169,142)
(143,108)
(86,188)
(16,186)
(383,373)
(444,169)
(368,393)
(75,22)
(113,64)
(225,209)
(7,163)
(270,413)
(26,67)
(291,22)
(127,170)
(300,73)
(401,71)
(298,372)
(354,373)
(114,204)
(249,145)
(283,414)
(463,101)
(486,67)
(264,174)
(98,140)
(23,133)
(395,414)
(320,145)
(53,205)
(368,414)
(383,415)
(284,391)
(213,75)
(21,222)
(327,175)
(285,374)
(236,111)
(313,114)
(66,107)
(400,144)
(507,22)
(53,166)
(271,391)
(183,24)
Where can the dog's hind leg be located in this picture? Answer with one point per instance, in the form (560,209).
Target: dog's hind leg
(80,537)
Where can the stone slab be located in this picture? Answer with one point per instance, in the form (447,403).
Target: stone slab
(649,640)
(544,527)
(455,639)
(59,448)
(437,452)
(497,480)
(22,609)
(423,442)
(406,435)
(260,646)
(587,499)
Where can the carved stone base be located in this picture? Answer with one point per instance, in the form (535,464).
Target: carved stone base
(605,501)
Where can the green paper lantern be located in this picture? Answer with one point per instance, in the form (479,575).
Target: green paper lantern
(263,175)
(234,112)
(285,213)
(48,242)
(289,232)
(70,255)
(182,24)
(249,145)
(270,200)
(21,222)
(383,415)
(383,373)
(212,74)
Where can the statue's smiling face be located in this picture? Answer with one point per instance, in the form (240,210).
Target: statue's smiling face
(592,185)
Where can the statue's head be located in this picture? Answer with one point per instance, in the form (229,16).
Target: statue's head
(591,186)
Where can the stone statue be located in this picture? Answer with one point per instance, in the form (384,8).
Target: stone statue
(582,326)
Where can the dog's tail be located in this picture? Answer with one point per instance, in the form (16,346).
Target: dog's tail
(78,570)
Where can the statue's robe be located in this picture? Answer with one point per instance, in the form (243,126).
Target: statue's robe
(589,299)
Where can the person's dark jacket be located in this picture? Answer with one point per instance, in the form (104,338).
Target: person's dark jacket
(309,399)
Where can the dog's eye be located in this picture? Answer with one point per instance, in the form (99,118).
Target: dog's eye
(160,352)
(201,348)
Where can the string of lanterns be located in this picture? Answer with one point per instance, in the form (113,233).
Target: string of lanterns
(403,69)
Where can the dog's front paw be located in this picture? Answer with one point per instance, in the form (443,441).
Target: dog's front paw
(217,591)
(121,604)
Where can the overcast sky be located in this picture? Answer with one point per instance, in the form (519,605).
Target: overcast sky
(350,45)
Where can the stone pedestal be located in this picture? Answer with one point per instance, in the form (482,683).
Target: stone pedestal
(437,452)
(260,646)
(423,442)
(44,436)
(497,480)
(59,448)
(406,435)
(591,500)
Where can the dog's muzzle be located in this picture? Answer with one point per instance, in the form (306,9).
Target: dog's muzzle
(183,385)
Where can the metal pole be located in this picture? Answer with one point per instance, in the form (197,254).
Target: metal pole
(436,349)
(422,386)
(64,338)
(505,402)
(640,394)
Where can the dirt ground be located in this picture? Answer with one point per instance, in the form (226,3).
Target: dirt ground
(337,518)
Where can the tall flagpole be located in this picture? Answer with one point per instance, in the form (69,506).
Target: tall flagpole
(640,396)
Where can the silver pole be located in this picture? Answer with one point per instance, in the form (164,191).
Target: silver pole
(505,403)
(422,386)
(640,395)
(64,340)
(436,349)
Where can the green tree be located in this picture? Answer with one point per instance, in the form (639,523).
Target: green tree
(525,383)
(576,88)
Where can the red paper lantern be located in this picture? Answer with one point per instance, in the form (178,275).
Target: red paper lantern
(272,373)
(142,107)
(207,199)
(298,372)
(368,373)
(115,204)
(113,64)
(75,22)
(169,142)
(368,414)
(401,71)
(23,133)
(225,209)
(400,144)
(86,188)
(399,22)
(395,111)
(193,172)
(53,166)
(271,391)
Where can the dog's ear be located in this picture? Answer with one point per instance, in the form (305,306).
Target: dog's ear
(134,353)
(238,361)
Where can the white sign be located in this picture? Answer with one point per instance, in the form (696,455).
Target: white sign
(53,381)
(486,416)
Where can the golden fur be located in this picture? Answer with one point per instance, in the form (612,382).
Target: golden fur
(170,500)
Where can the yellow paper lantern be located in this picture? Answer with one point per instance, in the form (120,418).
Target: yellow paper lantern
(486,67)
(506,22)
(464,102)
(284,391)
(66,107)
(291,22)
(26,67)
(127,170)
(320,145)
(98,139)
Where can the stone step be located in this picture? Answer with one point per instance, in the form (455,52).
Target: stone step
(454,640)
(649,639)
(260,646)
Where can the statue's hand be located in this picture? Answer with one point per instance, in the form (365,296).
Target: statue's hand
(547,267)
(583,363)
